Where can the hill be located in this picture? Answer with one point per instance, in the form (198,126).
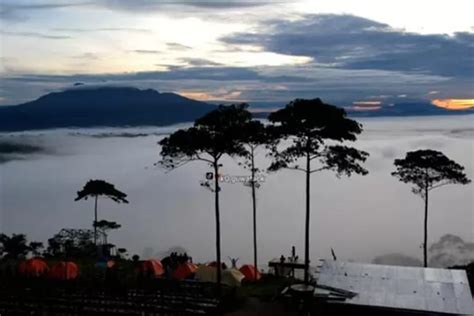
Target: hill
(104,106)
(407,109)
(126,106)
(420,108)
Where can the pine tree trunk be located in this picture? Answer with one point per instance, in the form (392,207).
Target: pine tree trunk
(254,204)
(306,246)
(425,240)
(218,228)
(95,220)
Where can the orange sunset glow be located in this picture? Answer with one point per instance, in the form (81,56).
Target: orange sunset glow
(366,105)
(454,104)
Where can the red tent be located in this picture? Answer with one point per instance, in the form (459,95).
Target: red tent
(152,268)
(33,267)
(214,264)
(250,273)
(184,270)
(64,270)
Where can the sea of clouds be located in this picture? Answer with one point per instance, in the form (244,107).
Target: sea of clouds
(361,218)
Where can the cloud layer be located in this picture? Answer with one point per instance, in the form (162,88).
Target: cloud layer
(350,42)
(273,58)
(359,217)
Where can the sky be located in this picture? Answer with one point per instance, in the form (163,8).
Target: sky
(346,52)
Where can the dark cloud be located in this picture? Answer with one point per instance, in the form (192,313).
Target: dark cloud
(199,62)
(102,29)
(146,51)
(175,73)
(14,9)
(177,46)
(21,10)
(86,56)
(30,5)
(350,42)
(17,150)
(35,35)
(146,5)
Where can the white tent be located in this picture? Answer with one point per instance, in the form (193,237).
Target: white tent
(231,277)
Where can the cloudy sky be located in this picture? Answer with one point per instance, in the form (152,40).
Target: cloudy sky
(257,51)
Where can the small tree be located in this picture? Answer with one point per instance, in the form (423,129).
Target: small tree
(254,135)
(72,243)
(14,247)
(35,247)
(427,170)
(310,129)
(122,253)
(105,226)
(96,188)
(214,135)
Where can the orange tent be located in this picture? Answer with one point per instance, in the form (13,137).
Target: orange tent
(250,273)
(184,270)
(64,270)
(33,267)
(214,264)
(152,268)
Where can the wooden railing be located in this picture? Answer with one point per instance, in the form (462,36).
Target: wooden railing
(160,297)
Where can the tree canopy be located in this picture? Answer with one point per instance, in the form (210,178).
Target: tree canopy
(428,169)
(313,129)
(105,225)
(212,136)
(101,187)
(254,134)
(14,247)
(77,243)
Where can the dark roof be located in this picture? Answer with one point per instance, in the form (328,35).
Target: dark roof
(401,288)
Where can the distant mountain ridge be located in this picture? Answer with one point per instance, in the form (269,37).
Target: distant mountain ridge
(127,106)
(413,108)
(408,109)
(102,106)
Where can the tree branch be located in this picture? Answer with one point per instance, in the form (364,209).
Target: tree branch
(294,168)
(203,159)
(177,165)
(319,169)
(438,185)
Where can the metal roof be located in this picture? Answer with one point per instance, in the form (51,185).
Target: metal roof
(406,288)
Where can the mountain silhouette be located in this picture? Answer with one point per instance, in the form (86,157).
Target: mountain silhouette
(408,109)
(102,106)
(420,108)
(85,106)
